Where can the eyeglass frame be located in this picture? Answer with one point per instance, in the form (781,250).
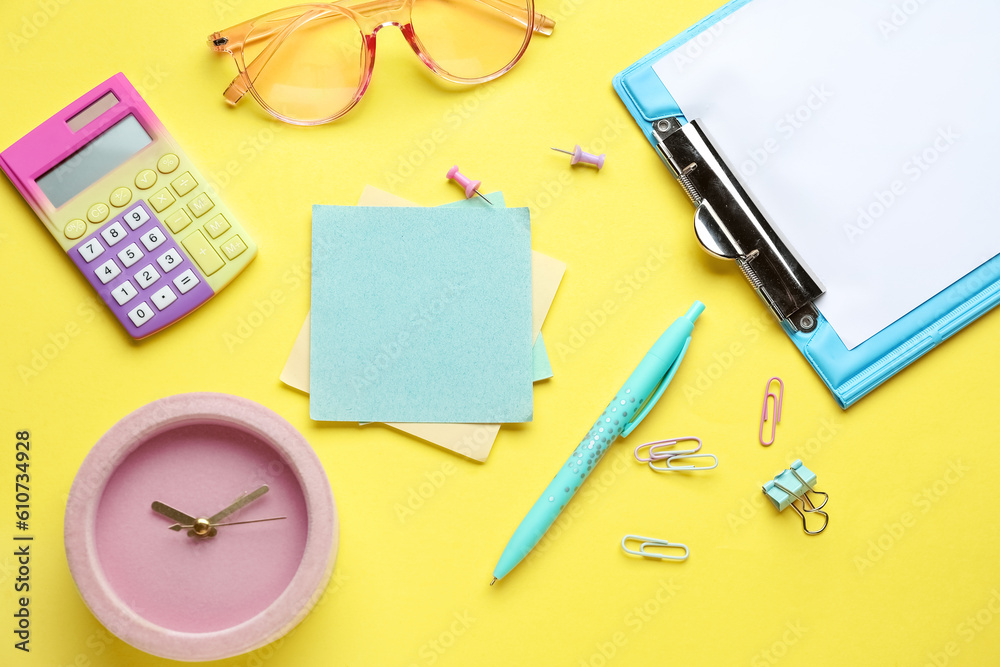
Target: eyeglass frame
(377,15)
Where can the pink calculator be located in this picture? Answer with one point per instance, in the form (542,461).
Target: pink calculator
(139,220)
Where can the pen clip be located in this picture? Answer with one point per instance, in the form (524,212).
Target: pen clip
(655,396)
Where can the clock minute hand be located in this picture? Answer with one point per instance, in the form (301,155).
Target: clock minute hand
(241,502)
(171,513)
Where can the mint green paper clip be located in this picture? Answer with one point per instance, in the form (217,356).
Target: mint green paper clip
(795,484)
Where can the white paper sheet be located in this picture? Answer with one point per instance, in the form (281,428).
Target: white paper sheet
(868,131)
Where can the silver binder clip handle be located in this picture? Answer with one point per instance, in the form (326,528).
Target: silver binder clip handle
(731,225)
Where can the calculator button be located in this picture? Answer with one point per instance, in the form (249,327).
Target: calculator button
(184,183)
(113,233)
(178,221)
(200,205)
(207,259)
(234,247)
(163,297)
(140,314)
(146,276)
(161,200)
(145,179)
(74,229)
(124,293)
(169,260)
(153,238)
(98,212)
(186,281)
(167,163)
(130,255)
(106,272)
(217,226)
(120,197)
(90,250)
(136,217)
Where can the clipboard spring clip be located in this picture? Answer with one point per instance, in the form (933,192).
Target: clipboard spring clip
(731,225)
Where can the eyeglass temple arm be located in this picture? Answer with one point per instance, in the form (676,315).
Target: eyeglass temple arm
(238,87)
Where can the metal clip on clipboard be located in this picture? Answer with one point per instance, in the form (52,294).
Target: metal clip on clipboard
(729,223)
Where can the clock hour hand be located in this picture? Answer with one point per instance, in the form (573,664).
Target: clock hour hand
(171,513)
(241,502)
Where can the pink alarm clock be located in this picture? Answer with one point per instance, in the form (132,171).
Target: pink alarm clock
(200,527)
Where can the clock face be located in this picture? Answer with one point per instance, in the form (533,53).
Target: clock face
(176,578)
(201,526)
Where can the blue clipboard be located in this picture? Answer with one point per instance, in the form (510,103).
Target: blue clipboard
(849,374)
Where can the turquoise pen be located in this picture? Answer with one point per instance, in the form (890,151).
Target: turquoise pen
(630,406)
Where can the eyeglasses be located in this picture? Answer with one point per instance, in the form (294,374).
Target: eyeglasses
(311,64)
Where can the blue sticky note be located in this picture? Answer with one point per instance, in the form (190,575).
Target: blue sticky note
(540,364)
(421,315)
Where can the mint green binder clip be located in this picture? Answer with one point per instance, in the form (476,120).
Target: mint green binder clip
(795,484)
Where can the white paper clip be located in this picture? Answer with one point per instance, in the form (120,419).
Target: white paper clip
(670,466)
(654,543)
(663,451)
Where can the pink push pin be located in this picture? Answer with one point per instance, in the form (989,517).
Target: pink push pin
(580,155)
(471,186)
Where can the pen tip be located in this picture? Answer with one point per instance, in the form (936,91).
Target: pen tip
(494,581)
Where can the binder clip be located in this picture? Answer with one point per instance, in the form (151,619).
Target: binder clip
(795,484)
(730,225)
(776,409)
(661,452)
(654,543)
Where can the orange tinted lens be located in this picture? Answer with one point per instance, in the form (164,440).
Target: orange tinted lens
(471,39)
(315,72)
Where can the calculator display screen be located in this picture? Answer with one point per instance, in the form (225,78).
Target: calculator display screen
(89,164)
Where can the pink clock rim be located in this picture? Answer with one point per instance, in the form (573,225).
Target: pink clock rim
(308,583)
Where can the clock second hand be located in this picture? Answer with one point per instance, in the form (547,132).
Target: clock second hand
(178,526)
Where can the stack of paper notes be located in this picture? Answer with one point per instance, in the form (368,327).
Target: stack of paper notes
(427,319)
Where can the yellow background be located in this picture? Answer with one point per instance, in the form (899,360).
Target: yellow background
(422,528)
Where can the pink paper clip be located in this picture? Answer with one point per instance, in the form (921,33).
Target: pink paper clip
(776,401)
(662,451)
